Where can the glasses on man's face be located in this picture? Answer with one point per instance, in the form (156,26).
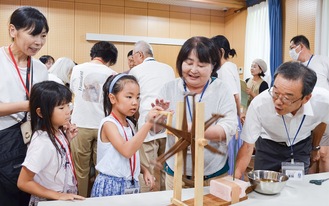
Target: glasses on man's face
(136,53)
(283,99)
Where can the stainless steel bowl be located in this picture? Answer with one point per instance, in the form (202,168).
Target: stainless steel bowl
(267,182)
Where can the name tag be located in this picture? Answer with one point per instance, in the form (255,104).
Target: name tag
(295,171)
(131,191)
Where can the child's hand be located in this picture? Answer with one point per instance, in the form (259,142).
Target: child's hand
(149,180)
(69,196)
(153,114)
(71,131)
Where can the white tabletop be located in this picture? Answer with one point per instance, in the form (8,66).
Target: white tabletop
(300,193)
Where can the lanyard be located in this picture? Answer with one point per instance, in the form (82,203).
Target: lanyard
(27,84)
(188,102)
(309,60)
(148,60)
(132,167)
(291,143)
(68,156)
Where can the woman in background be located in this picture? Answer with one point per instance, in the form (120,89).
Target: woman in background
(228,73)
(61,71)
(47,60)
(256,84)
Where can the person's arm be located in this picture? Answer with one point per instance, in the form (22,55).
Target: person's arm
(14,107)
(148,177)
(317,134)
(238,104)
(27,184)
(243,159)
(127,149)
(215,133)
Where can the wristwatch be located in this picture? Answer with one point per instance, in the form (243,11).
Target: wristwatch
(317,148)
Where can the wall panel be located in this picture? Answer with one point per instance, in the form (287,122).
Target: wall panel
(158,23)
(61,35)
(136,21)
(180,25)
(200,25)
(86,21)
(112,20)
(6,9)
(217,25)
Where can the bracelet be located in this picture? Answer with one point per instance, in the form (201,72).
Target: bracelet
(317,148)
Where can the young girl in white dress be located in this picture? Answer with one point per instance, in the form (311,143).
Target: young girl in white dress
(118,159)
(48,171)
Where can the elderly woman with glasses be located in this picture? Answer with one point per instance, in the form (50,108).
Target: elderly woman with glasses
(279,122)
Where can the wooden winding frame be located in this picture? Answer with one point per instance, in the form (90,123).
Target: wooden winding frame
(184,139)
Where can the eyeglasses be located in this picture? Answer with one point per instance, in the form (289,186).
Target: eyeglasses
(283,99)
(136,53)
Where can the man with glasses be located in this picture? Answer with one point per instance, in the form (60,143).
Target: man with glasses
(300,51)
(279,122)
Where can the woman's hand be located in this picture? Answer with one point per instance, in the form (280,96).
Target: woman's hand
(161,103)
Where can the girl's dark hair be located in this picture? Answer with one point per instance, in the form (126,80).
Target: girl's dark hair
(105,50)
(205,50)
(47,95)
(117,87)
(45,58)
(222,42)
(28,18)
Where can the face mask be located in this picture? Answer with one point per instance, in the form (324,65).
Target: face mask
(293,54)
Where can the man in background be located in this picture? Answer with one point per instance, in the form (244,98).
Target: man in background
(299,50)
(130,61)
(86,83)
(151,76)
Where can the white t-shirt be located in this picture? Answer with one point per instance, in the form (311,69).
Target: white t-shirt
(217,99)
(262,119)
(229,74)
(86,83)
(320,64)
(109,160)
(11,88)
(43,159)
(151,76)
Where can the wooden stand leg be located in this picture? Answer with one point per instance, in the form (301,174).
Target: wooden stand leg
(178,182)
(199,155)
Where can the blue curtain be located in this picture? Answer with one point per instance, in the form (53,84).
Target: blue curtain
(275,17)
